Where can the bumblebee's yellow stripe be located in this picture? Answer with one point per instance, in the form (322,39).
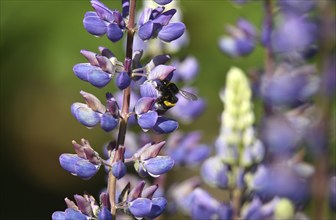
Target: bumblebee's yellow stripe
(169,104)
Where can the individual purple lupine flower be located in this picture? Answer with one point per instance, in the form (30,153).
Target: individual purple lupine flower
(147,160)
(283,181)
(186,149)
(118,167)
(148,118)
(204,206)
(84,208)
(94,112)
(85,163)
(156,23)
(290,86)
(294,35)
(104,21)
(181,194)
(215,172)
(240,40)
(100,69)
(280,137)
(156,46)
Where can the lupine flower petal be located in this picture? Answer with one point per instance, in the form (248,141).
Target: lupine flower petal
(102,11)
(197,154)
(90,56)
(85,115)
(203,206)
(157,60)
(99,78)
(82,70)
(165,125)
(147,120)
(164,18)
(158,206)
(146,31)
(58,215)
(172,31)
(119,169)
(151,151)
(106,52)
(105,64)
(93,102)
(140,207)
(104,214)
(108,122)
(244,46)
(144,104)
(149,191)
(158,165)
(215,172)
(94,25)
(83,205)
(123,80)
(163,2)
(145,15)
(157,11)
(160,72)
(85,170)
(68,162)
(147,89)
(71,214)
(125,8)
(228,46)
(114,33)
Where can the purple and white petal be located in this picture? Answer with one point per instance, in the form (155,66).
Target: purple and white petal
(158,165)
(144,104)
(102,11)
(161,72)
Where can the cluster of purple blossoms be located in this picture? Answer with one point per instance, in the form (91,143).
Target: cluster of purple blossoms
(147,92)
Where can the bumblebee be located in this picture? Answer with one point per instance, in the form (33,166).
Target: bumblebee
(168,98)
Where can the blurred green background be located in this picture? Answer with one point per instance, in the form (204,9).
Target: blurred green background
(40,43)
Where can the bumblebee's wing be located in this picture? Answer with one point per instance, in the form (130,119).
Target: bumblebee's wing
(188,95)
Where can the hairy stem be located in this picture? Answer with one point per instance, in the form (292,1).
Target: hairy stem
(126,103)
